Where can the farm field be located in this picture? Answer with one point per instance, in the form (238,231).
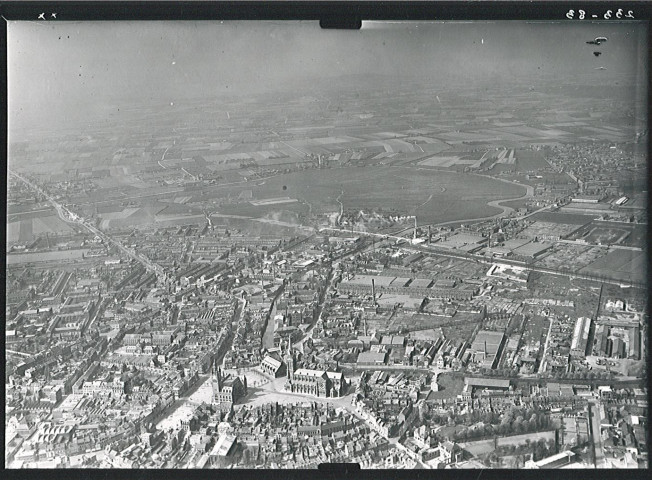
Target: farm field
(28,229)
(41,212)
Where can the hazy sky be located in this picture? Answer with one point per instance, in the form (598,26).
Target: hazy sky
(62,72)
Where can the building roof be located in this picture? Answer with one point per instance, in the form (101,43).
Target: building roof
(421,283)
(445,282)
(492,338)
(335,375)
(532,249)
(487,382)
(372,357)
(400,282)
(379,281)
(515,243)
(271,361)
(555,458)
(223,445)
(309,373)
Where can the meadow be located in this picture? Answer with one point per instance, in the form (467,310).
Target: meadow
(434,196)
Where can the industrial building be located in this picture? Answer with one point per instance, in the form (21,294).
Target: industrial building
(486,383)
(373,285)
(580,337)
(372,358)
(487,347)
(635,343)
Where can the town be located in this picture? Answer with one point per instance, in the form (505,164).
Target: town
(291,281)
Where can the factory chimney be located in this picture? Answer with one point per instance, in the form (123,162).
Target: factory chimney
(373,290)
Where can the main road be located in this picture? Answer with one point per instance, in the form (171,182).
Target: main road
(70,217)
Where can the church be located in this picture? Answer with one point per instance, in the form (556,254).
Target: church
(319,383)
(227,390)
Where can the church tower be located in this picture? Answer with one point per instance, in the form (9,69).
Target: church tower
(217,376)
(290,361)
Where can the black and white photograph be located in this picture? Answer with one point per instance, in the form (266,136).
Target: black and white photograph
(238,244)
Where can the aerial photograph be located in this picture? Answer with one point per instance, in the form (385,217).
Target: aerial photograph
(266,245)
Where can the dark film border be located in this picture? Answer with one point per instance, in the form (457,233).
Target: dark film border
(329,13)
(343,11)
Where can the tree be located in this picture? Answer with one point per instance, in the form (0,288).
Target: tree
(246,456)
(552,446)
(590,457)
(540,449)
(542,420)
(423,415)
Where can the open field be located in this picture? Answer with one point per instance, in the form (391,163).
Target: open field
(620,264)
(289,210)
(535,327)
(460,331)
(416,322)
(62,255)
(27,229)
(608,236)
(28,215)
(564,255)
(482,447)
(529,160)
(637,236)
(562,218)
(630,234)
(516,204)
(434,196)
